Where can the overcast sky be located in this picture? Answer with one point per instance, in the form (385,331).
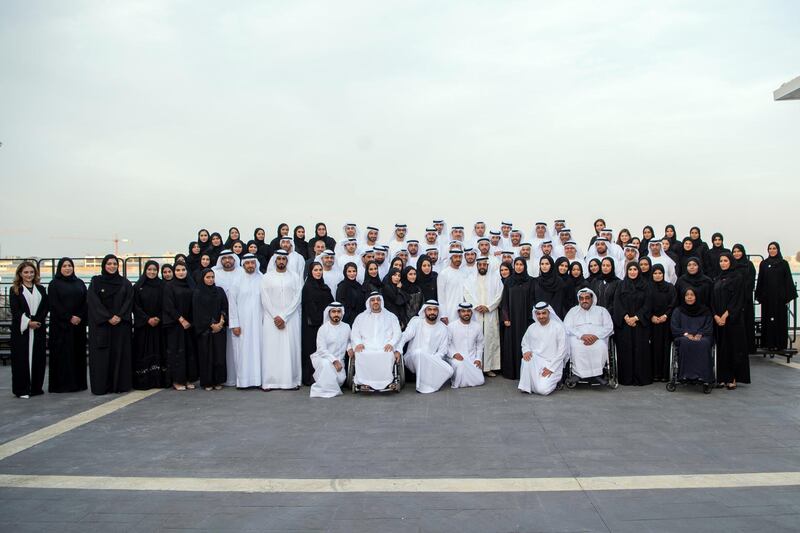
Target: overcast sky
(152,119)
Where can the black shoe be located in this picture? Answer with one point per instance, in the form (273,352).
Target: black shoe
(601,381)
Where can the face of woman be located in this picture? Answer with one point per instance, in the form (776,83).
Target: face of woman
(28,274)
(322,231)
(260,235)
(519,267)
(599,225)
(112,266)
(544,266)
(373,270)
(237,248)
(180,271)
(576,272)
(205,261)
(167,274)
(692,268)
(772,250)
(724,263)
(594,268)
(351,273)
(636,241)
(317,272)
(151,271)
(195,248)
(648,233)
(252,248)
(504,271)
(605,267)
(67,269)
(689,297)
(669,232)
(658,276)
(624,237)
(203,236)
(411,275)
(301,233)
(737,253)
(233,233)
(208,279)
(717,241)
(694,234)
(633,272)
(644,265)
(396,278)
(426,267)
(216,240)
(284,229)
(398,264)
(563,268)
(687,246)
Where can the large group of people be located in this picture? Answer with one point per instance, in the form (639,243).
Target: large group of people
(457,305)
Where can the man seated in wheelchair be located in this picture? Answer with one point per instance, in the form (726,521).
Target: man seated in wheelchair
(589,328)
(374,337)
(692,328)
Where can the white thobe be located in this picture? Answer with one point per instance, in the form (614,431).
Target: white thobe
(466,340)
(588,361)
(247,352)
(332,343)
(487,290)
(374,366)
(549,349)
(332,278)
(426,352)
(343,259)
(450,291)
(395,246)
(229,281)
(280,348)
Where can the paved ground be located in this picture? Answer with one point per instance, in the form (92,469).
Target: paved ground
(490,432)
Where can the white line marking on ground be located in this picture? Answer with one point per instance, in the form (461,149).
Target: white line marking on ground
(438,485)
(37,437)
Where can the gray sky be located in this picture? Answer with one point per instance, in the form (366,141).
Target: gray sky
(152,119)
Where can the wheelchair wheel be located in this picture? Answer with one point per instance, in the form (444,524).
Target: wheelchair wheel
(613,377)
(671,386)
(401,374)
(571,384)
(351,375)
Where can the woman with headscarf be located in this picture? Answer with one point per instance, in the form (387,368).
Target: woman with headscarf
(672,236)
(632,328)
(605,285)
(67,339)
(599,224)
(263,247)
(727,304)
(149,365)
(109,300)
(699,247)
(712,256)
(692,329)
(193,257)
(233,236)
(593,270)
(215,247)
(576,282)
(239,248)
(316,297)
(372,281)
(549,287)
(645,268)
(685,252)
(28,303)
(321,234)
(176,327)
(394,299)
(426,278)
(203,239)
(350,294)
(299,239)
(197,276)
(748,271)
(282,231)
(648,233)
(210,313)
(516,309)
(662,302)
(774,290)
(693,278)
(413,293)
(167,271)
(253,248)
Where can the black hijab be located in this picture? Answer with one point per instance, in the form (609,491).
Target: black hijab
(212,250)
(592,275)
(276,242)
(409,287)
(633,285)
(644,244)
(612,275)
(696,309)
(549,281)
(673,241)
(72,278)
(207,242)
(663,285)
(67,294)
(646,275)
(744,261)
(579,282)
(565,277)
(372,283)
(316,289)
(193,259)
(300,245)
(165,266)
(733,269)
(426,282)
(778,257)
(519,278)
(230,240)
(148,292)
(259,242)
(109,284)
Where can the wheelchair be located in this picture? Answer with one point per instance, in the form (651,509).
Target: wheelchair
(674,371)
(609,371)
(397,384)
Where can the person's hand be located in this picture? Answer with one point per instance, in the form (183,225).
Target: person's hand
(546,372)
(360,348)
(279,322)
(216,328)
(153,321)
(236,331)
(458,357)
(114,320)
(75,321)
(655,320)
(33,324)
(337,365)
(507,323)
(478,363)
(631,321)
(588,339)
(388,348)
(445,320)
(396,356)
(482,309)
(527,356)
(350,352)
(185,323)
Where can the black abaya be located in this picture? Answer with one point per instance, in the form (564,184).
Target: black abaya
(66,341)
(550,288)
(775,289)
(315,298)
(209,304)
(634,361)
(748,272)
(516,307)
(149,361)
(662,302)
(427,282)
(351,295)
(733,363)
(180,344)
(695,362)
(27,370)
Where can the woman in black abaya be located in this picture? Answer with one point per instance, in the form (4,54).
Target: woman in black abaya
(176,327)
(394,299)
(28,303)
(350,293)
(727,304)
(149,363)
(576,282)
(210,311)
(692,329)
(662,301)
(372,281)
(632,328)
(315,298)
(197,277)
(233,236)
(426,278)
(215,247)
(413,293)
(516,307)
(282,231)
(299,239)
(109,300)
(648,234)
(593,270)
(263,247)
(67,340)
(713,254)
(549,287)
(605,284)
(693,278)
(193,258)
(748,271)
(646,268)
(203,239)
(321,234)
(775,289)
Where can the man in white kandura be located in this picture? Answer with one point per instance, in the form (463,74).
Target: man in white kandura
(466,348)
(228,275)
(248,331)
(588,327)
(484,291)
(281,290)
(543,352)
(450,286)
(374,338)
(428,340)
(333,341)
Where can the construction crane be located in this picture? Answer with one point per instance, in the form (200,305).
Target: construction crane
(116,240)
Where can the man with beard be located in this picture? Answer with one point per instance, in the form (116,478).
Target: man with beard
(412,247)
(374,338)
(228,276)
(333,342)
(484,292)
(247,332)
(399,239)
(450,287)
(465,352)
(428,340)
(330,274)
(543,352)
(588,327)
